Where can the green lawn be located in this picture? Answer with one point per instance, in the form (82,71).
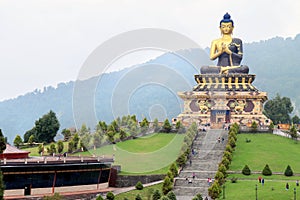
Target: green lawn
(277,152)
(272,190)
(143,193)
(145,155)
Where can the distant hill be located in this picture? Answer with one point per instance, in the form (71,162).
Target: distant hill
(149,89)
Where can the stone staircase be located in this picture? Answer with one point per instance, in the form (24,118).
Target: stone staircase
(204,164)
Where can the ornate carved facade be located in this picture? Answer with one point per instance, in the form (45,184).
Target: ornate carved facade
(223,98)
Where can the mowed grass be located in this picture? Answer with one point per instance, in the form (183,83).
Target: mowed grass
(151,154)
(276,151)
(272,190)
(145,193)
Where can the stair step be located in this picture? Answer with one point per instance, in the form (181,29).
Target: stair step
(204,164)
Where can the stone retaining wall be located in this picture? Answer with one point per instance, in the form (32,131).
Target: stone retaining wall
(131,180)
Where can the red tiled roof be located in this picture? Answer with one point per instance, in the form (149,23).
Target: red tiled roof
(11,149)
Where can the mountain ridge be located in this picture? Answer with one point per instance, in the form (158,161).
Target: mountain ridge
(154,85)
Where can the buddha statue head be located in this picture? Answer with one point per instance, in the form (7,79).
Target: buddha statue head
(226,24)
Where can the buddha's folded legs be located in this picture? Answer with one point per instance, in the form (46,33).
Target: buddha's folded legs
(243,69)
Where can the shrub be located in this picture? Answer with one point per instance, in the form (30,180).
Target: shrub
(246,170)
(138,197)
(234,179)
(164,198)
(228,155)
(99,198)
(214,190)
(232,142)
(267,171)
(139,186)
(220,177)
(156,195)
(171,196)
(167,126)
(225,162)
(170,175)
(254,126)
(110,196)
(174,169)
(248,140)
(167,185)
(181,160)
(223,169)
(198,197)
(288,171)
(228,148)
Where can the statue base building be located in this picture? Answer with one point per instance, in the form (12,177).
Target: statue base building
(220,99)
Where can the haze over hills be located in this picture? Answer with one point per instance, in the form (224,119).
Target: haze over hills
(149,89)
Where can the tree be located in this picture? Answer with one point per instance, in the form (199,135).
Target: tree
(288,171)
(122,134)
(71,146)
(156,125)
(138,197)
(214,190)
(139,185)
(75,140)
(52,149)
(167,126)
(2,142)
(173,168)
(18,141)
(156,195)
(99,198)
(84,130)
(40,148)
(296,120)
(110,196)
(31,139)
(279,109)
(171,195)
(66,133)
(45,128)
(254,126)
(60,146)
(29,133)
(293,132)
(198,197)
(167,185)
(267,171)
(246,170)
(97,139)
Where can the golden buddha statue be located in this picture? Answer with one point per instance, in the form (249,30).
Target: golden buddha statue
(228,50)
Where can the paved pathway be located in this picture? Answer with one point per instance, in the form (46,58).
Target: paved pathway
(204,164)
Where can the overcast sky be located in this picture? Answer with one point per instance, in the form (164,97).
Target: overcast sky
(43,43)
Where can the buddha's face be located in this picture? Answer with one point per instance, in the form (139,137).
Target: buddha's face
(226,28)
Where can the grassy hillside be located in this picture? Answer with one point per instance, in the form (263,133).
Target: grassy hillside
(264,149)
(276,151)
(149,154)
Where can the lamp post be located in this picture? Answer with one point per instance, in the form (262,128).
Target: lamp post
(256,192)
(223,191)
(294,193)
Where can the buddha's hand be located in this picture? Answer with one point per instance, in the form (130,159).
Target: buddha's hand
(227,50)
